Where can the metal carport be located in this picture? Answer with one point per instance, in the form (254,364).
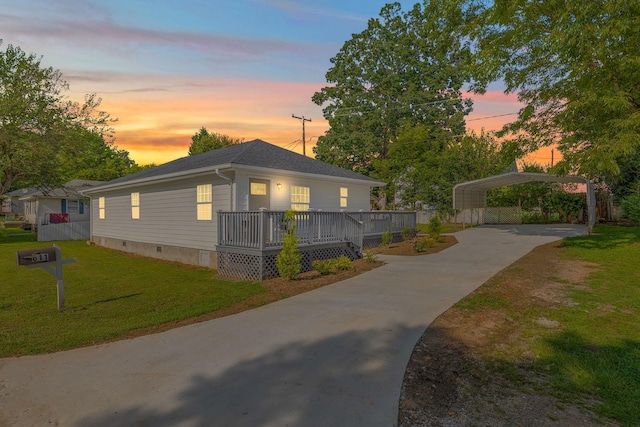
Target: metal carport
(473,194)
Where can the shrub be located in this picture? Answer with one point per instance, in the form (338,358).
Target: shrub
(422,244)
(369,257)
(631,207)
(289,259)
(322,266)
(408,233)
(343,263)
(332,266)
(386,238)
(435,226)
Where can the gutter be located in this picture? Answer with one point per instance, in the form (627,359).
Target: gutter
(230,181)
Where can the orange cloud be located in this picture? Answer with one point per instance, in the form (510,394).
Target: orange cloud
(157,117)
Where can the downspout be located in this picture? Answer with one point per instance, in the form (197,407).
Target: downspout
(230,188)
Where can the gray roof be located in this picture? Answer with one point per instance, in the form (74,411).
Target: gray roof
(70,189)
(21,192)
(256,153)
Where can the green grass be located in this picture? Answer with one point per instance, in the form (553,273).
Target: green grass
(482,300)
(446,228)
(107,295)
(596,350)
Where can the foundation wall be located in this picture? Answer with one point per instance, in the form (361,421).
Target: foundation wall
(189,256)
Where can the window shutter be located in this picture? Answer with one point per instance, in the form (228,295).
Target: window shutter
(63,206)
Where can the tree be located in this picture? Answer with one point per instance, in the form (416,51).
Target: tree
(404,70)
(526,196)
(575,65)
(423,167)
(203,141)
(91,157)
(37,123)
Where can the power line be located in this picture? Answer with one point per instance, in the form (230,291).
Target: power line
(491,117)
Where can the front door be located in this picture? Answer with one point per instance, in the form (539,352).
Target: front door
(259,196)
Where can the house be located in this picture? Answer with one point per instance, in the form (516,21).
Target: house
(226,205)
(12,206)
(59,205)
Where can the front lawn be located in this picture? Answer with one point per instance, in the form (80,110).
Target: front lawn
(108,294)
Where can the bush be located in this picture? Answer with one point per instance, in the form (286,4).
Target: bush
(422,244)
(322,266)
(289,259)
(435,226)
(332,266)
(369,257)
(408,233)
(386,238)
(631,207)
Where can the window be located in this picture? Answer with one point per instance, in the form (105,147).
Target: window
(204,203)
(101,207)
(300,198)
(73,207)
(258,189)
(344,194)
(135,205)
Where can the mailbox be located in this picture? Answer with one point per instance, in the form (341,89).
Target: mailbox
(37,256)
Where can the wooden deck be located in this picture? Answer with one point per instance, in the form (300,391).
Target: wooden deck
(248,242)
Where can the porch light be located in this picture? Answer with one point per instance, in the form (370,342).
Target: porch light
(279,186)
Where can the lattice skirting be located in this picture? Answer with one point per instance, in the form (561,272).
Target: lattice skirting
(257,266)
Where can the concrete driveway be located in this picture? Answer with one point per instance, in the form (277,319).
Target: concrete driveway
(331,357)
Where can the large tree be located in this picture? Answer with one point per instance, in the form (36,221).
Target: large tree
(575,65)
(438,164)
(203,141)
(89,156)
(405,69)
(37,122)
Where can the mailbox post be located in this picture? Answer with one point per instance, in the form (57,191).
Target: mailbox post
(47,259)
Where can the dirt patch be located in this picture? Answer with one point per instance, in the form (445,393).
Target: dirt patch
(447,381)
(405,247)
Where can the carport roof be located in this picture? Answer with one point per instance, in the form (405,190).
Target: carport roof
(473,194)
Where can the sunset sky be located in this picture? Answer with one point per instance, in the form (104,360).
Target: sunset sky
(165,68)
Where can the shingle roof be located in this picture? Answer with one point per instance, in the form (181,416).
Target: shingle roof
(255,153)
(70,189)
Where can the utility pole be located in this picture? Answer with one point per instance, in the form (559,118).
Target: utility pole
(304,141)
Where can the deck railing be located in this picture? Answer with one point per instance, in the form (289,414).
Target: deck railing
(265,229)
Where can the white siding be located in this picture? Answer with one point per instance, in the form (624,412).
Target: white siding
(325,194)
(167,215)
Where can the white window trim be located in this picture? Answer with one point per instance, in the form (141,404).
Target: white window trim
(300,198)
(101,208)
(135,205)
(344,197)
(204,202)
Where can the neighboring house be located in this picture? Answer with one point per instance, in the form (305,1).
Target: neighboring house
(5,205)
(11,203)
(172,211)
(65,204)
